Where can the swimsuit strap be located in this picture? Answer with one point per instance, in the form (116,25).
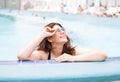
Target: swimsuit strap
(49,56)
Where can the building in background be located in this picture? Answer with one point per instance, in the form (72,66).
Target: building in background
(64,6)
(16,4)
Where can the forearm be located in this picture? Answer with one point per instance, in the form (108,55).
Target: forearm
(30,47)
(91,56)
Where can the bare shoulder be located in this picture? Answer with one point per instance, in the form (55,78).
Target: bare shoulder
(38,55)
(39,52)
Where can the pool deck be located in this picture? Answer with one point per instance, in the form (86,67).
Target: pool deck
(51,71)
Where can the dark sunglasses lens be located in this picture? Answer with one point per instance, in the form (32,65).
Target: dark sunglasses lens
(58,30)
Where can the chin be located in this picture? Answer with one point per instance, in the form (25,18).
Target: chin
(63,41)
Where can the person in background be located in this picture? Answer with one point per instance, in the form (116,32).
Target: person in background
(80,9)
(53,43)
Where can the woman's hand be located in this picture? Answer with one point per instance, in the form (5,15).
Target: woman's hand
(47,32)
(65,57)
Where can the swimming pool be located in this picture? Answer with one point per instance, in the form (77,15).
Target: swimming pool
(85,31)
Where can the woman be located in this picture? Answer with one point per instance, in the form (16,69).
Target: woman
(53,43)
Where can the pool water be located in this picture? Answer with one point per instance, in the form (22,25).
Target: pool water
(85,31)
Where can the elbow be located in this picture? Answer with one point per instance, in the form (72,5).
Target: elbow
(20,56)
(103,56)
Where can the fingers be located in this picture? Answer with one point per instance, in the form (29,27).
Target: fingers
(48,29)
(60,59)
(64,57)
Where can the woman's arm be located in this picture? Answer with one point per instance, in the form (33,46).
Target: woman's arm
(27,51)
(89,55)
(83,55)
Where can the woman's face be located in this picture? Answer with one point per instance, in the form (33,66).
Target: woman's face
(59,36)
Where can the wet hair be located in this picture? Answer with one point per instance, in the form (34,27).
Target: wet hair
(46,46)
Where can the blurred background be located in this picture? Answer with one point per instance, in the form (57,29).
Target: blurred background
(94,7)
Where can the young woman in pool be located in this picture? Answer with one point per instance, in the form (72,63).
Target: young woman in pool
(53,43)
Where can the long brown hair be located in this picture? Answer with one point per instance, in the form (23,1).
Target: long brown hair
(46,46)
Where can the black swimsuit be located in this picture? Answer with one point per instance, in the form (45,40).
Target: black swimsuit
(49,56)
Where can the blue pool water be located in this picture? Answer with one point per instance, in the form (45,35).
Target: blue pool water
(85,31)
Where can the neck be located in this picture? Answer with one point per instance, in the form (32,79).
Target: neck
(56,50)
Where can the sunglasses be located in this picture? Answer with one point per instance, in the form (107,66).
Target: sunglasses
(59,29)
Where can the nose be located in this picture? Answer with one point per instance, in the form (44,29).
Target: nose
(62,32)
